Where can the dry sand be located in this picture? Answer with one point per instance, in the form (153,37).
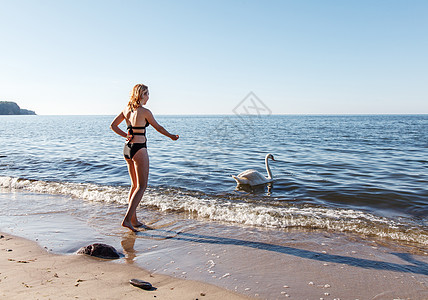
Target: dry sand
(254,262)
(29,272)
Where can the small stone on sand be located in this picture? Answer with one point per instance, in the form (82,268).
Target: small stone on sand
(100,250)
(141,284)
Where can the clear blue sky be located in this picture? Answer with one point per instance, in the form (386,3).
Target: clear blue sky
(204,57)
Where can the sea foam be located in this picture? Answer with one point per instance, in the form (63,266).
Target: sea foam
(227,209)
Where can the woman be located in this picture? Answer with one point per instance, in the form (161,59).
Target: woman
(137,119)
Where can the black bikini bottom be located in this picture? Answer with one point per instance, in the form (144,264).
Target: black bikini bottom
(131,148)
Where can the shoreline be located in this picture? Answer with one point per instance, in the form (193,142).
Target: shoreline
(29,272)
(244,261)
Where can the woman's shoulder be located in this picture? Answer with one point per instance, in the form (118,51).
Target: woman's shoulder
(126,112)
(138,113)
(144,111)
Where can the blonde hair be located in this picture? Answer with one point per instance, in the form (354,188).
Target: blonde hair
(137,96)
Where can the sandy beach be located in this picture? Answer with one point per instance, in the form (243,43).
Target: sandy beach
(186,258)
(29,272)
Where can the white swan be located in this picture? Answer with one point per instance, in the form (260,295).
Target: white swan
(253,177)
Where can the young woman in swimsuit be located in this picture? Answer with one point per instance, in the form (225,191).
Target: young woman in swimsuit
(137,119)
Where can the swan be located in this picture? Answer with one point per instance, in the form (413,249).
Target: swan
(253,177)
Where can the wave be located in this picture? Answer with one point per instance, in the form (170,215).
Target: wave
(235,209)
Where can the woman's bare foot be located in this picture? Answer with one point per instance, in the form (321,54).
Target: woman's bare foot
(129,225)
(137,224)
(142,226)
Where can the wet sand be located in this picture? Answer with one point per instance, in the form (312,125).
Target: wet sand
(29,272)
(254,262)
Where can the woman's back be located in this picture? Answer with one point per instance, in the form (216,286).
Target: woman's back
(136,118)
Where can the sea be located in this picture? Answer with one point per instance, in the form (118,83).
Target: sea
(365,175)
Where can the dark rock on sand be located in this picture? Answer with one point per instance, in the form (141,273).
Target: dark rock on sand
(141,284)
(100,250)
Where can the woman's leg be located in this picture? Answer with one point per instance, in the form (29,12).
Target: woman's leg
(133,176)
(141,167)
(141,164)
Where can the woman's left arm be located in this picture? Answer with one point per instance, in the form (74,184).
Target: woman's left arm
(115,125)
(158,127)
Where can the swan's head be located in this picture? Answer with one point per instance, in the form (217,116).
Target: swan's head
(270,156)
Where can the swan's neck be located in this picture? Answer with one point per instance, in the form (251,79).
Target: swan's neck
(268,168)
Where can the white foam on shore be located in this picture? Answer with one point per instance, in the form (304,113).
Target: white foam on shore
(226,210)
(91,192)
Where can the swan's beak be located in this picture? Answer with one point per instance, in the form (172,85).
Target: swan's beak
(273,158)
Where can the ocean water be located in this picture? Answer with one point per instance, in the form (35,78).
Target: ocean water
(365,175)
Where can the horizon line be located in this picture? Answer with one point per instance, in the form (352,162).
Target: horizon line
(250,115)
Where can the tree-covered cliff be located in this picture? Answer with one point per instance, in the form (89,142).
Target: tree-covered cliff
(11,108)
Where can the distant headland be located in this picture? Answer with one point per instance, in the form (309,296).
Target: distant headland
(11,108)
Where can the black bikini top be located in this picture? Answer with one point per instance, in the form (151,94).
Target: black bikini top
(131,129)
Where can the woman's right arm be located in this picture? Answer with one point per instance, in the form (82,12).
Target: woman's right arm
(115,125)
